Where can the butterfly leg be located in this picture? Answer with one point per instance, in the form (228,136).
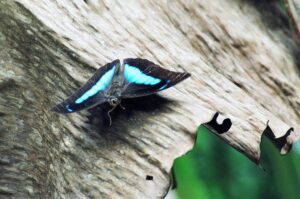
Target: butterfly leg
(122,107)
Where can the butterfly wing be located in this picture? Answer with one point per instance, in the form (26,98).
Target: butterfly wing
(143,77)
(92,92)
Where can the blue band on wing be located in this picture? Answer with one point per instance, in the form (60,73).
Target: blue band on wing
(135,75)
(164,86)
(68,108)
(100,85)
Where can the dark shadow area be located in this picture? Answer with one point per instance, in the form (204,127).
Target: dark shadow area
(174,182)
(7,84)
(280,142)
(219,128)
(274,17)
(149,177)
(151,105)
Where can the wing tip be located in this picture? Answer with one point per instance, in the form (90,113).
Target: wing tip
(60,108)
(185,75)
(115,61)
(55,109)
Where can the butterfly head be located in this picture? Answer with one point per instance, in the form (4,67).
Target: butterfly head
(114,101)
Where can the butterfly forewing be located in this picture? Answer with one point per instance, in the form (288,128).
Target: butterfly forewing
(143,77)
(92,92)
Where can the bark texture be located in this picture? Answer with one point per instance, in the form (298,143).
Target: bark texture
(244,65)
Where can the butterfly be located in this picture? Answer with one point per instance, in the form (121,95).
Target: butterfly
(115,81)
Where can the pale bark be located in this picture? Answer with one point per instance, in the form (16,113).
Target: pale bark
(244,65)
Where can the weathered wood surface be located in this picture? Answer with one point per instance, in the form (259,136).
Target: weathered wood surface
(241,54)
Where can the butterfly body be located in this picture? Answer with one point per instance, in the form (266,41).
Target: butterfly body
(114,92)
(115,81)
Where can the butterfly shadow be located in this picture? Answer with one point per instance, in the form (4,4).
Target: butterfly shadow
(137,112)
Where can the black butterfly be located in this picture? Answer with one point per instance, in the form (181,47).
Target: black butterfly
(114,81)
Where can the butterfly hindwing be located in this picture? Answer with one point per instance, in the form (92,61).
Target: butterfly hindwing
(91,93)
(143,77)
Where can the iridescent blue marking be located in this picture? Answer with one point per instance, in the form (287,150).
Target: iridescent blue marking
(68,108)
(164,86)
(100,85)
(135,75)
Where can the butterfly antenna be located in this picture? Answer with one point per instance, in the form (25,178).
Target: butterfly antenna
(108,114)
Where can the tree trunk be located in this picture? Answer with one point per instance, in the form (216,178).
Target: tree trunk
(244,65)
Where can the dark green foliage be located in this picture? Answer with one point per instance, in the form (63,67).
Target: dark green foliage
(215,170)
